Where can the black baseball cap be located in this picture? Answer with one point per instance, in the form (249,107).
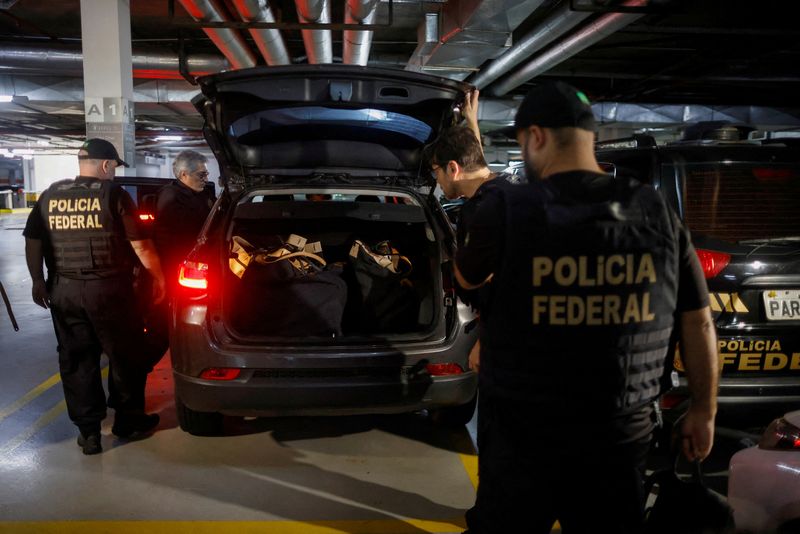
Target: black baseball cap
(101,149)
(553,105)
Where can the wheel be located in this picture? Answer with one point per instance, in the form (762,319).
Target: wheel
(456,416)
(198,423)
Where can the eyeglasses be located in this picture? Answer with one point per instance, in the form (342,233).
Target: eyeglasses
(200,174)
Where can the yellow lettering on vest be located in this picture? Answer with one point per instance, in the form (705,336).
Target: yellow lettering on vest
(576,310)
(82,221)
(594,309)
(52,205)
(733,345)
(62,205)
(647,270)
(73,221)
(726,358)
(557,309)
(795,365)
(632,310)
(775,361)
(600,270)
(647,315)
(539,307)
(583,275)
(566,270)
(51,221)
(95,205)
(611,306)
(83,204)
(748,361)
(628,269)
(776,345)
(721,343)
(759,345)
(542,266)
(615,276)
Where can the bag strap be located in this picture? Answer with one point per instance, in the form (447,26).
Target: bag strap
(266,259)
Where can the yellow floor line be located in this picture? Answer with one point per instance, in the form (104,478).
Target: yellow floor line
(470,462)
(40,423)
(29,396)
(378,526)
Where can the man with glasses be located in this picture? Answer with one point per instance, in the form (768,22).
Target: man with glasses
(87,232)
(181,209)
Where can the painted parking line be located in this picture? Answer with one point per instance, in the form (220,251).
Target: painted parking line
(379,526)
(29,396)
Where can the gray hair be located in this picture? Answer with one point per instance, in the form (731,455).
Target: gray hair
(188,160)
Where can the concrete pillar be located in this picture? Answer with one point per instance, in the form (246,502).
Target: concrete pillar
(108,75)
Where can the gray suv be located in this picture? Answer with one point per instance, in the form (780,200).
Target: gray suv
(324,162)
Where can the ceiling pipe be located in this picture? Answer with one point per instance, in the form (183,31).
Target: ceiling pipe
(319,44)
(585,37)
(64,61)
(557,24)
(229,42)
(269,42)
(357,43)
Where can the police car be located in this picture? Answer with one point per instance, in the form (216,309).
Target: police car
(322,164)
(739,198)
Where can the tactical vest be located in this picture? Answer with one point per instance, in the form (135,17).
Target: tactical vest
(86,240)
(582,301)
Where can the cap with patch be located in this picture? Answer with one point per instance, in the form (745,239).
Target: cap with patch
(553,105)
(101,149)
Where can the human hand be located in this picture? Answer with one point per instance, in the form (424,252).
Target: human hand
(697,433)
(39,294)
(159,290)
(470,110)
(475,357)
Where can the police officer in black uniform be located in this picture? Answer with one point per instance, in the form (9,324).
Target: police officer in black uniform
(88,231)
(587,274)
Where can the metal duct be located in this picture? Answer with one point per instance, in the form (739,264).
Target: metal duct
(227,40)
(269,42)
(357,43)
(62,61)
(319,45)
(470,33)
(553,27)
(585,37)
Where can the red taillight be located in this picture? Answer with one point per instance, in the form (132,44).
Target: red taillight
(220,373)
(194,275)
(712,262)
(780,435)
(669,401)
(444,369)
(773,174)
(147,217)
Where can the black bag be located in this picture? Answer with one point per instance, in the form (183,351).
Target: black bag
(686,506)
(290,293)
(388,300)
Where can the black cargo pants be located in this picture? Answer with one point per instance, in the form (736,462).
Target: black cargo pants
(535,469)
(91,317)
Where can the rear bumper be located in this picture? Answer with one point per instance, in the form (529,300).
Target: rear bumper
(254,396)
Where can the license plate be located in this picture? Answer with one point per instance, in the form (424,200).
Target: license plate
(782,304)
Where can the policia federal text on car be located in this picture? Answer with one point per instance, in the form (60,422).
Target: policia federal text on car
(87,232)
(587,272)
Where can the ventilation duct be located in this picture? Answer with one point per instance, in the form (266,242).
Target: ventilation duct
(585,37)
(269,42)
(69,61)
(356,42)
(229,42)
(319,46)
(470,33)
(553,27)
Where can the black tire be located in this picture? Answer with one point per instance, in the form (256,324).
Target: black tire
(456,416)
(198,423)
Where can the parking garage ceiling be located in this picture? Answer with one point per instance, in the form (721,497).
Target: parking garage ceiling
(660,57)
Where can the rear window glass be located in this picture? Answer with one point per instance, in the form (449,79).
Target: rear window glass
(741,201)
(315,121)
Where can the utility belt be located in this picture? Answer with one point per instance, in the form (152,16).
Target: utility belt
(93,274)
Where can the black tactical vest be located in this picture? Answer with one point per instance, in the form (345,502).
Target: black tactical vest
(87,242)
(582,302)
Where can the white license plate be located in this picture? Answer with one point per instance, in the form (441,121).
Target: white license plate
(782,304)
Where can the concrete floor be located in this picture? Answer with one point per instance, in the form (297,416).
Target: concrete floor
(298,475)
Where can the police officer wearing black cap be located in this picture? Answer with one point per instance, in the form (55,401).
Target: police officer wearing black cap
(87,231)
(588,272)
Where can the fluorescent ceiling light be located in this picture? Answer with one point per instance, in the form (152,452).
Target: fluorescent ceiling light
(6,98)
(27,156)
(21,151)
(169,138)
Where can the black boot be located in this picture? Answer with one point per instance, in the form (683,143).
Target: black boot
(90,443)
(127,425)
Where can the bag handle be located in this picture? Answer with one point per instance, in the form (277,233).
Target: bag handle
(266,259)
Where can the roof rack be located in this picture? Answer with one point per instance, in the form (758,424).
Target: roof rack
(634,141)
